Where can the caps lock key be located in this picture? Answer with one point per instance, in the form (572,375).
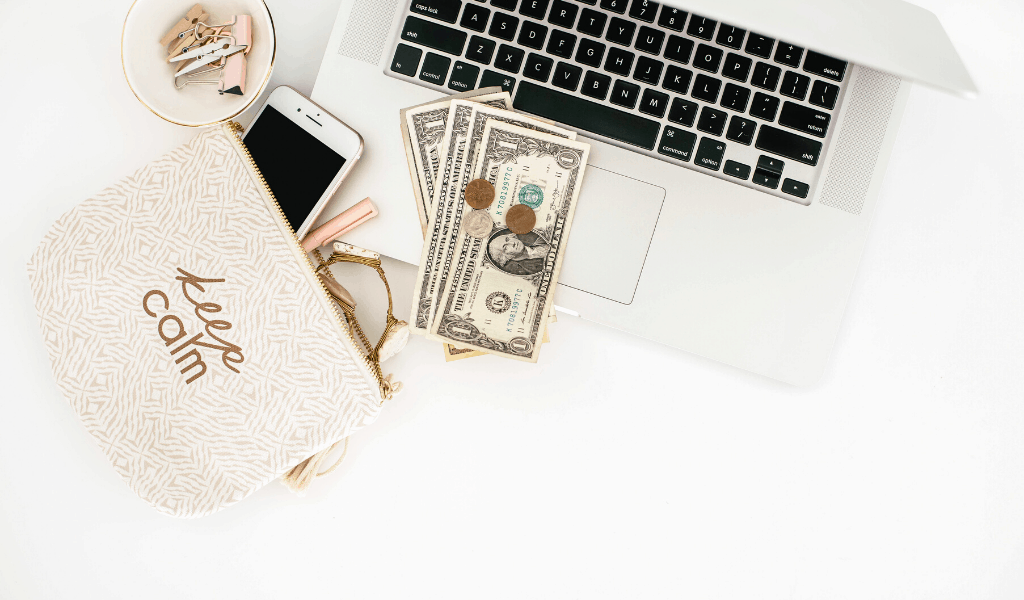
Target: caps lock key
(445,10)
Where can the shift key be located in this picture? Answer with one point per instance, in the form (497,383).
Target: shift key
(789,145)
(434,35)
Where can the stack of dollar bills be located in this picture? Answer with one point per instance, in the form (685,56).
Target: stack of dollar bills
(483,288)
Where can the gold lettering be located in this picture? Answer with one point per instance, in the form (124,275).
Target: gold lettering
(160,329)
(145,301)
(198,363)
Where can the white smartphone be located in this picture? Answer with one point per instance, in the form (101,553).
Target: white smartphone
(304,153)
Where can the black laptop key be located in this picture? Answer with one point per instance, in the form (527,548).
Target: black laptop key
(788,145)
(590,2)
(435,68)
(444,10)
(764,106)
(701,27)
(650,40)
(795,188)
(433,35)
(741,130)
(618,6)
(825,66)
(759,45)
(464,76)
(677,143)
(563,14)
(766,179)
(735,97)
(706,88)
(736,169)
(532,35)
(590,53)
(407,60)
(789,55)
(824,95)
(534,8)
(707,58)
(621,31)
(679,49)
(654,103)
(475,17)
(586,115)
(480,50)
(506,4)
(709,154)
(677,79)
(596,85)
(538,67)
(592,22)
(624,93)
(643,10)
(619,61)
(683,112)
(712,121)
(795,85)
(509,58)
(672,18)
(648,70)
(773,165)
(567,76)
(490,78)
(504,26)
(736,67)
(561,43)
(804,119)
(730,37)
(766,76)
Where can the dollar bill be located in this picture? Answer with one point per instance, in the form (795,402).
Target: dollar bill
(499,288)
(452,352)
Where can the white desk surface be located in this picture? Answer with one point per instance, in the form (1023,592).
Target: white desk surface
(615,468)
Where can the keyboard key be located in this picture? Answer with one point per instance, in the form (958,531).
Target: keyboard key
(766,76)
(596,85)
(672,18)
(789,55)
(444,10)
(795,188)
(584,114)
(712,120)
(463,77)
(504,26)
(618,6)
(795,85)
(433,35)
(701,27)
(406,60)
(730,36)
(677,79)
(561,43)
(677,143)
(773,165)
(491,78)
(532,35)
(621,31)
(534,8)
(567,76)
(736,67)
(650,40)
(590,53)
(764,106)
(648,70)
(592,22)
(506,4)
(480,50)
(538,67)
(804,120)
(563,14)
(643,10)
(683,112)
(825,66)
(624,93)
(706,88)
(654,103)
(709,154)
(707,58)
(509,58)
(824,95)
(435,68)
(735,97)
(475,17)
(619,61)
(759,45)
(679,49)
(788,145)
(741,130)
(766,178)
(736,169)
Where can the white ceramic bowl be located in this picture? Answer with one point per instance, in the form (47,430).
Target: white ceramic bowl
(151,79)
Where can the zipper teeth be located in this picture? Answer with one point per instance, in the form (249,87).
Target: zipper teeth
(237,129)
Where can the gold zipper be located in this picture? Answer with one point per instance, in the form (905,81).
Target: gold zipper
(237,130)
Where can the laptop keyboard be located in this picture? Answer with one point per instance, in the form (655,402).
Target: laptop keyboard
(657,80)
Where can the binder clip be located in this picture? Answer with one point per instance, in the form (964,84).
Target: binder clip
(202,49)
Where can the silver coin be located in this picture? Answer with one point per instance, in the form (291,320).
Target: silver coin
(477,224)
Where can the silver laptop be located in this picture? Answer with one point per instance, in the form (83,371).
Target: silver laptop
(738,147)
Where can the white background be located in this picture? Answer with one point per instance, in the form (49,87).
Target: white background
(613,468)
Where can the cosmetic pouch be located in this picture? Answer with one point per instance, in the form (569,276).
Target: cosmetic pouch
(189,331)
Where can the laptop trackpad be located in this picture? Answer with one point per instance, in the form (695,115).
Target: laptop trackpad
(611,232)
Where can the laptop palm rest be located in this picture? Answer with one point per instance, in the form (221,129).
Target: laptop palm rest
(611,233)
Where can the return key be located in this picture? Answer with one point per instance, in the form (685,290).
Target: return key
(803,119)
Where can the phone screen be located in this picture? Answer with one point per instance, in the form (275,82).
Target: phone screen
(297,166)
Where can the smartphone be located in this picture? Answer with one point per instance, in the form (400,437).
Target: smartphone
(304,153)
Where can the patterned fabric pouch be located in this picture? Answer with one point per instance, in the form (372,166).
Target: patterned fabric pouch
(189,331)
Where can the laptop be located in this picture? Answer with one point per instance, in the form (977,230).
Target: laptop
(738,147)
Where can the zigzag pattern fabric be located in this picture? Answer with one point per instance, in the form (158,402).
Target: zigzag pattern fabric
(187,334)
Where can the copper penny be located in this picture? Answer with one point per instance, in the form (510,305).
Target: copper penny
(520,219)
(477,224)
(479,193)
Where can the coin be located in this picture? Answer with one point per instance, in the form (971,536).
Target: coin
(520,219)
(479,193)
(477,224)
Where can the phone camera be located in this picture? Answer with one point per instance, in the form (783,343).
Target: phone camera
(298,109)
